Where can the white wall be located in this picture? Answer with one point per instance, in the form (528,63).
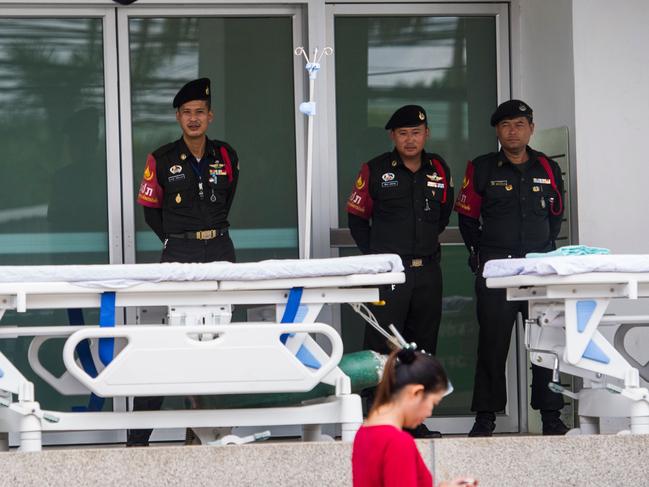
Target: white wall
(611,58)
(545,73)
(542,69)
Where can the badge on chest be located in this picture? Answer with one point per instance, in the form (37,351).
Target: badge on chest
(177,173)
(435,181)
(388,180)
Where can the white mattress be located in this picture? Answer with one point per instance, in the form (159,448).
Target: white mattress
(566,265)
(124,275)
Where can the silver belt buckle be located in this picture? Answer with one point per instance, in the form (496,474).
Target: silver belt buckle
(416,263)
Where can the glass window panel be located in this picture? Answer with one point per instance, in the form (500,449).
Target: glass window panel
(53,207)
(252,99)
(447,65)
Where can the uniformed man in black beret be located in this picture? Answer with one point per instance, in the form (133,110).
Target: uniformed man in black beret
(187,191)
(400,203)
(510,204)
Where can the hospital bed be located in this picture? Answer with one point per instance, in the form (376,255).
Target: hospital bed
(197,351)
(568,300)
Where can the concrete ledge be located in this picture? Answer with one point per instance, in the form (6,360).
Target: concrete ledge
(596,460)
(501,461)
(270,464)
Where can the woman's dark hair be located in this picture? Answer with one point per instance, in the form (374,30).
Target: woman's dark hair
(408,366)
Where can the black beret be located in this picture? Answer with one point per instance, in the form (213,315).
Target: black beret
(407,116)
(199,89)
(511,109)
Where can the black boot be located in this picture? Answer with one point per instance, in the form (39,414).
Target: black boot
(485,424)
(552,424)
(422,431)
(138,437)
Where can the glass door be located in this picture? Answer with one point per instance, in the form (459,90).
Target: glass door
(248,53)
(453,61)
(60,144)
(77,125)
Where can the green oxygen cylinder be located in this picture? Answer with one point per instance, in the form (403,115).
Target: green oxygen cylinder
(363,368)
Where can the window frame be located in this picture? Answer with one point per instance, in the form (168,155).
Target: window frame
(111,97)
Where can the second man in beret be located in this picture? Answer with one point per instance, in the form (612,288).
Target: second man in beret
(400,203)
(510,203)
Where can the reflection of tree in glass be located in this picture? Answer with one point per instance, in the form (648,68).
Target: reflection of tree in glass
(72,192)
(164,56)
(50,67)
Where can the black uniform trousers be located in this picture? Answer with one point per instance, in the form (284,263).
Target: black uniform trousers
(496,317)
(186,251)
(414,308)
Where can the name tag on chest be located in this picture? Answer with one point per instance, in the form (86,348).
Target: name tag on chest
(499,182)
(176,177)
(432,184)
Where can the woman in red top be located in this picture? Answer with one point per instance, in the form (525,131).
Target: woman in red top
(384,455)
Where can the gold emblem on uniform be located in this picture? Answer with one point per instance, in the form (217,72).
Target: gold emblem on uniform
(422,116)
(536,189)
(360,184)
(394,163)
(148,174)
(509,187)
(465,182)
(178,198)
(183,156)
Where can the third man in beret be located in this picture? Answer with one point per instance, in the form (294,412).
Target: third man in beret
(186,191)
(510,203)
(400,203)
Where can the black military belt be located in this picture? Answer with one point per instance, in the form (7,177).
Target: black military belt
(201,234)
(416,261)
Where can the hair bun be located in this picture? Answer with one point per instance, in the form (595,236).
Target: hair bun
(406,355)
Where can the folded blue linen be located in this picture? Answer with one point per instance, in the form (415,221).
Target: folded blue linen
(569,250)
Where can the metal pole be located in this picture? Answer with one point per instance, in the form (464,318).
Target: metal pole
(309,171)
(308,108)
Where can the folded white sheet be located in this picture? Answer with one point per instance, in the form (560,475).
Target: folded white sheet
(123,275)
(566,265)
